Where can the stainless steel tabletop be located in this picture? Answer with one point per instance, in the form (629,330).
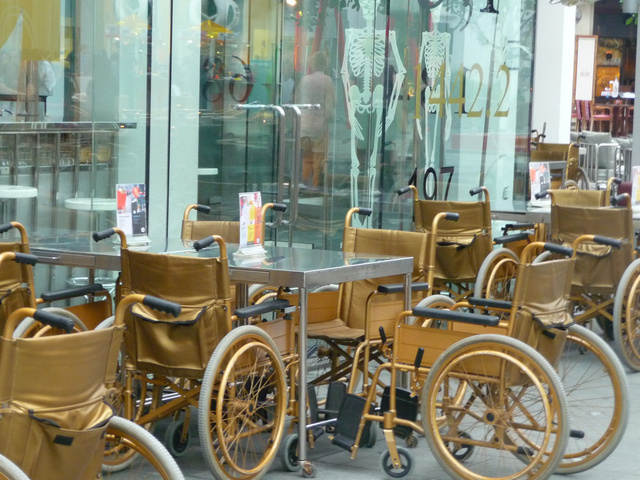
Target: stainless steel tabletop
(288,266)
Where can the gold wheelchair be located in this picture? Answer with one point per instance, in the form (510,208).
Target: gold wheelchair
(55,421)
(496,275)
(482,388)
(170,366)
(605,284)
(344,325)
(17,289)
(587,365)
(461,246)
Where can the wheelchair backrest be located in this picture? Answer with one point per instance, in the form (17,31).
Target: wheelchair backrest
(461,245)
(579,198)
(198,229)
(353,295)
(598,267)
(161,343)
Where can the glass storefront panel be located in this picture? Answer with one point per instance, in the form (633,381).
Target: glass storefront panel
(434,93)
(431,93)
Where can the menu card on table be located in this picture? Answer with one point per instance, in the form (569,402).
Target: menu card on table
(132,211)
(250,224)
(540,181)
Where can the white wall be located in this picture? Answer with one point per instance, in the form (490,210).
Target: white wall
(553,70)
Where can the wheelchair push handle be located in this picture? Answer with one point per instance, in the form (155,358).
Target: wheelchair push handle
(620,199)
(97,236)
(5,227)
(53,320)
(162,305)
(559,249)
(365,211)
(279,207)
(542,194)
(25,258)
(407,189)
(454,217)
(612,242)
(202,208)
(203,243)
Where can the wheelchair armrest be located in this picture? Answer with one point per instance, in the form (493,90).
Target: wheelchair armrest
(440,314)
(489,303)
(398,287)
(516,237)
(260,308)
(72,292)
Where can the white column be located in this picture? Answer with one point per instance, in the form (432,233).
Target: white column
(635,153)
(553,70)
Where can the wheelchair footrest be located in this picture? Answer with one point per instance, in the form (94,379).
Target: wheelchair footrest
(348,421)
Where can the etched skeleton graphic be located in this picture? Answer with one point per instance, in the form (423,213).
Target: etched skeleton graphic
(364,62)
(434,54)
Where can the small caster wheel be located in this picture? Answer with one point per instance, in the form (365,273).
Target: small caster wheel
(289,453)
(460,450)
(174,441)
(309,470)
(411,441)
(406,461)
(371,437)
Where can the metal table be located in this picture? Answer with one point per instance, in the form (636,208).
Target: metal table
(301,268)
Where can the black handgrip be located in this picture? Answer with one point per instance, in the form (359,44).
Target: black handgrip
(489,303)
(365,211)
(399,287)
(54,320)
(616,180)
(5,227)
(262,308)
(404,190)
(97,236)
(203,208)
(541,194)
(279,207)
(383,336)
(454,217)
(203,243)
(513,237)
(456,316)
(72,292)
(475,191)
(612,242)
(25,258)
(555,248)
(615,200)
(161,305)
(419,354)
(518,226)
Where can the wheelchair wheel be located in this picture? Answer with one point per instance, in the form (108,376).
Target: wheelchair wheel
(289,453)
(242,404)
(144,397)
(406,461)
(177,443)
(10,470)
(497,274)
(512,422)
(151,457)
(626,317)
(597,397)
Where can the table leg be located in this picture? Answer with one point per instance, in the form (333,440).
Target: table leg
(307,467)
(404,377)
